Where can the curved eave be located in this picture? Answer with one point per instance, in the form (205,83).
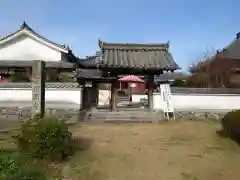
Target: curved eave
(25,29)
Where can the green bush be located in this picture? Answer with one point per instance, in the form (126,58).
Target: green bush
(19,76)
(231,124)
(14,167)
(46,138)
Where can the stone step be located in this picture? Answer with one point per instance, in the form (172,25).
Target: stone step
(123,116)
(127,119)
(120,99)
(128,111)
(124,109)
(125,113)
(123,121)
(139,114)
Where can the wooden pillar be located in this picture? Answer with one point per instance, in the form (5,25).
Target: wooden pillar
(150,91)
(94,94)
(83,106)
(113,104)
(83,95)
(97,94)
(87,97)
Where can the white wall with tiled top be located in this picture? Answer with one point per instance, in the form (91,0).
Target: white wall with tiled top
(188,101)
(201,101)
(72,97)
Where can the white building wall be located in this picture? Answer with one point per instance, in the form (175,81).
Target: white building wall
(66,98)
(26,48)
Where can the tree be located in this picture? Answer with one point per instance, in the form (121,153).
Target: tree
(213,71)
(179,82)
(19,76)
(199,71)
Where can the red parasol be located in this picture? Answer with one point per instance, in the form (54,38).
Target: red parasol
(131,79)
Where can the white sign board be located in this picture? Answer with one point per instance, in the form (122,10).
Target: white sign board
(167,98)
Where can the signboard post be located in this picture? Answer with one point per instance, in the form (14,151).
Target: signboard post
(38,88)
(167,101)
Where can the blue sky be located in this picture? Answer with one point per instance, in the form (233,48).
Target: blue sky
(191,26)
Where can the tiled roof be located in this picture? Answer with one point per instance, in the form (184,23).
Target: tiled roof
(232,50)
(204,90)
(169,76)
(88,73)
(91,74)
(91,61)
(137,56)
(49,64)
(47,85)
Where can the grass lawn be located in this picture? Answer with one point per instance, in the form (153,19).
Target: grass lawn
(185,150)
(181,150)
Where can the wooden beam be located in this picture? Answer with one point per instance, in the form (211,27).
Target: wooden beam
(113,104)
(83,99)
(97,94)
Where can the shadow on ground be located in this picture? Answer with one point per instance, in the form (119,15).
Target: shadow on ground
(83,143)
(222,133)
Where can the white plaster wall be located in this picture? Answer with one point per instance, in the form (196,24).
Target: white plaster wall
(26,48)
(200,101)
(72,96)
(138,97)
(186,101)
(103,97)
